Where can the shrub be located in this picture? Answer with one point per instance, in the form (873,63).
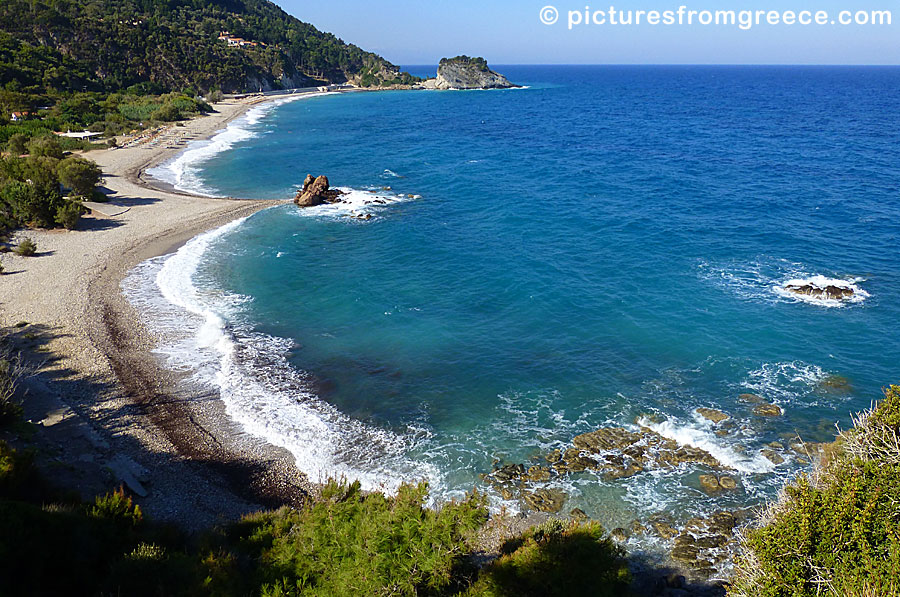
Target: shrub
(374,544)
(10,371)
(17,474)
(556,558)
(45,146)
(168,113)
(26,248)
(117,506)
(68,214)
(836,532)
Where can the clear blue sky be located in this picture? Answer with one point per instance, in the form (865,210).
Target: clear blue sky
(510,32)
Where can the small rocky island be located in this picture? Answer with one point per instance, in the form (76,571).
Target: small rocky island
(316,191)
(464,72)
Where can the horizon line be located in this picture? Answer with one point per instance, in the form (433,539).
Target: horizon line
(775,64)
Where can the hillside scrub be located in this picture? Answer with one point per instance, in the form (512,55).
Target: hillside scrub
(835,532)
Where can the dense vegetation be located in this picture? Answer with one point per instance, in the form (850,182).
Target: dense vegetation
(346,543)
(31,187)
(111,45)
(478,63)
(836,533)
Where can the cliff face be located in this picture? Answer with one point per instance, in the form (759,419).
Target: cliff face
(463,72)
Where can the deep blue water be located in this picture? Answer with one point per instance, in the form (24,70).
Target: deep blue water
(605,243)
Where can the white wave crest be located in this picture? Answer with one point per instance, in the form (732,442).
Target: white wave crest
(695,435)
(183,171)
(260,389)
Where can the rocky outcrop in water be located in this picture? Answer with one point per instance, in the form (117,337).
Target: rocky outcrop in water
(316,191)
(463,72)
(831,291)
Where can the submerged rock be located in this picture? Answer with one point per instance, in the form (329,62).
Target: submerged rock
(316,191)
(773,456)
(767,410)
(709,483)
(836,384)
(711,414)
(545,500)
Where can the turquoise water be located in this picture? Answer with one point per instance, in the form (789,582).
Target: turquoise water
(606,243)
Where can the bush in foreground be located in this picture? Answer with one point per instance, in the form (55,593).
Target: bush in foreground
(836,532)
(349,542)
(556,558)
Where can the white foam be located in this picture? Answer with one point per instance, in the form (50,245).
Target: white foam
(794,383)
(260,389)
(355,203)
(765,280)
(695,435)
(183,171)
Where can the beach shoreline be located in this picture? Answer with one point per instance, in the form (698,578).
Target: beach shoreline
(100,397)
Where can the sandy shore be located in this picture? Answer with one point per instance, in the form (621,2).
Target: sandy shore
(106,412)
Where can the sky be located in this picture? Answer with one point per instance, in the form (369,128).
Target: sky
(409,32)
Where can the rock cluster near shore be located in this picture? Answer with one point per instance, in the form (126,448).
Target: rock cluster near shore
(614,452)
(316,191)
(701,547)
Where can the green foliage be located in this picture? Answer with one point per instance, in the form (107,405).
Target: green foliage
(26,248)
(887,413)
(840,531)
(556,558)
(366,544)
(68,214)
(45,146)
(150,46)
(15,469)
(79,174)
(16,143)
(30,195)
(479,63)
(117,506)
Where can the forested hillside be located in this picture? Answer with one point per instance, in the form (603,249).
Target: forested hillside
(49,46)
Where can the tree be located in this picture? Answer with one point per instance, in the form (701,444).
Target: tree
(16,144)
(79,174)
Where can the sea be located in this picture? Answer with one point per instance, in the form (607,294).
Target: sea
(606,246)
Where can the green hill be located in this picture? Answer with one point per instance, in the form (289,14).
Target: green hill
(52,46)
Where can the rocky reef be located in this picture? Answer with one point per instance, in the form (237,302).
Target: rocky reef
(699,548)
(316,191)
(464,72)
(830,291)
